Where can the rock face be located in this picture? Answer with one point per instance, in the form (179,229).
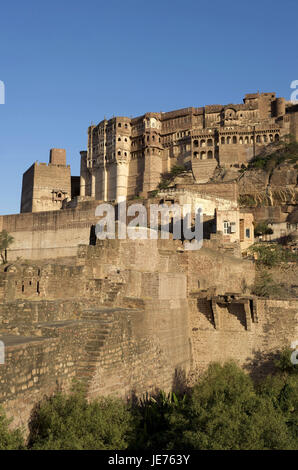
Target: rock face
(256,187)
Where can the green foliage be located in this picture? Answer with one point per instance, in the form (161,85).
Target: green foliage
(284,363)
(246,200)
(9,440)
(264,286)
(5,241)
(157,421)
(282,391)
(71,422)
(167,178)
(272,254)
(284,151)
(225,410)
(262,228)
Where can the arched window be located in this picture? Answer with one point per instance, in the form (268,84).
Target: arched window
(241,140)
(119,124)
(223,140)
(258,140)
(203,143)
(228,140)
(271,137)
(276,137)
(196,155)
(210,154)
(119,139)
(203,156)
(209,142)
(246,140)
(251,140)
(234,139)
(196,143)
(119,152)
(265,138)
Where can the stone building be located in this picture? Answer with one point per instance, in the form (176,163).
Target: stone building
(126,156)
(45,187)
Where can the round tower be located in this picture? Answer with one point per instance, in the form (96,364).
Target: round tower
(280,107)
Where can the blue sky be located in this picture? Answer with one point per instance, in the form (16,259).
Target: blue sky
(66,64)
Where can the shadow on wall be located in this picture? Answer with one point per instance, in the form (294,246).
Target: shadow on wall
(261,364)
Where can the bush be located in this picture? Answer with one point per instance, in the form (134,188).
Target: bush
(167,178)
(159,421)
(272,255)
(264,286)
(226,412)
(280,152)
(262,228)
(9,440)
(70,422)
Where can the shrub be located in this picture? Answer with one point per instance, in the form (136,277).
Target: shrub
(262,228)
(159,421)
(9,440)
(226,412)
(264,286)
(167,178)
(70,422)
(272,255)
(5,241)
(280,152)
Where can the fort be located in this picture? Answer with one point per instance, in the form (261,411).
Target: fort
(126,316)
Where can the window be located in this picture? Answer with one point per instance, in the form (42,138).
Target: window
(227,227)
(247,233)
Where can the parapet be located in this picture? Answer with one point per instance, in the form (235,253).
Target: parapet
(58,157)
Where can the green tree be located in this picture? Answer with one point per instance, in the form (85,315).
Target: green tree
(71,422)
(5,241)
(226,412)
(9,439)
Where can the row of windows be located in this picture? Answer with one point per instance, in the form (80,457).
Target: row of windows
(246,140)
(203,143)
(203,155)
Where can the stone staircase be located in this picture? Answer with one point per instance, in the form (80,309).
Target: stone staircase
(100,320)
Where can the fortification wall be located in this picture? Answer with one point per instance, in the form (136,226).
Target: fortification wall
(274,327)
(146,315)
(53,234)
